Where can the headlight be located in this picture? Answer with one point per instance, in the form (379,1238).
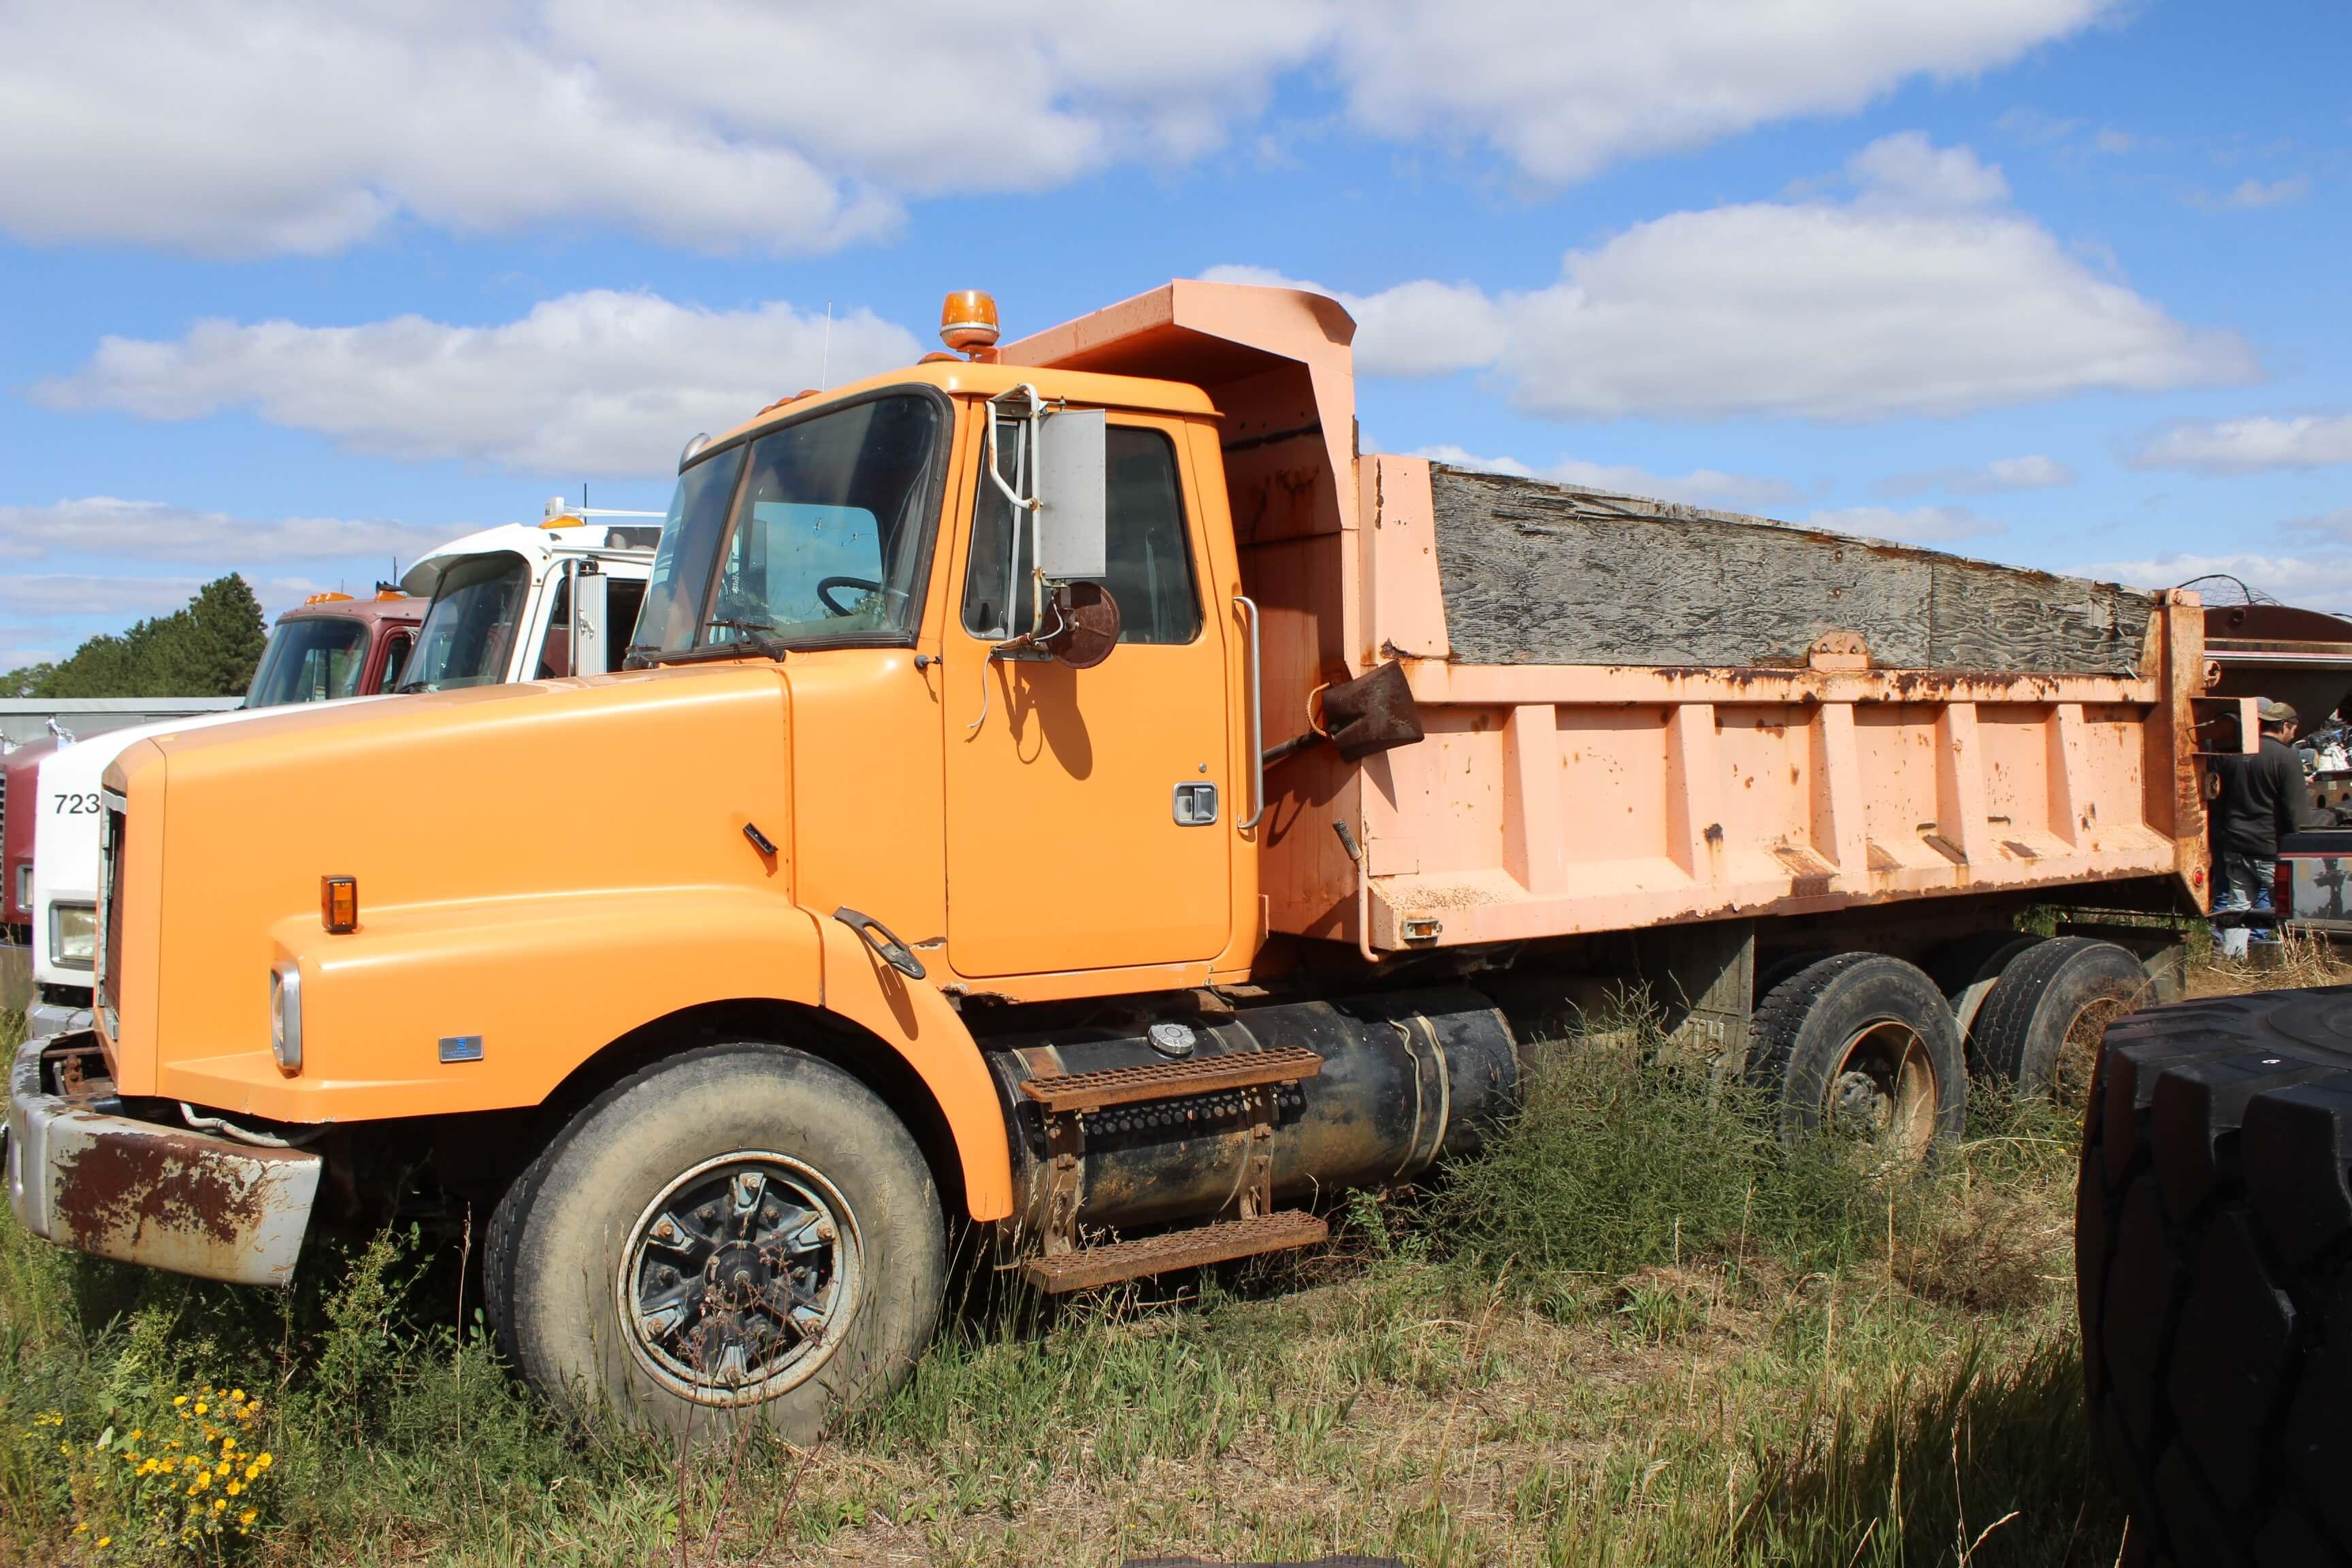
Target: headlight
(73,935)
(286,1015)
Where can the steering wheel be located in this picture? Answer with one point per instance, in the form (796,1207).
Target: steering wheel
(826,585)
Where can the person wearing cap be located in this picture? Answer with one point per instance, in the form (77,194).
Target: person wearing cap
(2259,797)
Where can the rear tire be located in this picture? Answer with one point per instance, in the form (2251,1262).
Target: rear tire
(2040,1026)
(1864,1044)
(2213,1276)
(740,1232)
(1966,971)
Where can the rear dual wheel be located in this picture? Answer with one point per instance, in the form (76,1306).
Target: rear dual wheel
(2040,1026)
(1862,1046)
(740,1232)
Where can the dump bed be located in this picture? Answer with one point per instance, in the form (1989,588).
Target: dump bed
(1639,713)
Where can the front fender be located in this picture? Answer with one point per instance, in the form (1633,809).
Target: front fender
(543,983)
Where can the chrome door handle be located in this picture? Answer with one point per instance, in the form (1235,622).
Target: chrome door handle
(1257,722)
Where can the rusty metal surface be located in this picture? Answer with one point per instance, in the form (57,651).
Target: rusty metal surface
(1203,1245)
(83,1176)
(1167,1080)
(1371,713)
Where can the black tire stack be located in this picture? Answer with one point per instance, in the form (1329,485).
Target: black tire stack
(2213,1265)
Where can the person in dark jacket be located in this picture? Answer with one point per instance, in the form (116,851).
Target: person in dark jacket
(2261,795)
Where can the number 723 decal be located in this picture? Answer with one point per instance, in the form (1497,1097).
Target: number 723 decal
(75,804)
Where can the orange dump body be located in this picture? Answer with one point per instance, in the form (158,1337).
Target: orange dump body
(1564,798)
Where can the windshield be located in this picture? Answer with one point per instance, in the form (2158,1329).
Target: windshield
(309,659)
(471,624)
(826,541)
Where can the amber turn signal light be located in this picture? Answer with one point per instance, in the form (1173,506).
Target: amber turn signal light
(339,904)
(968,320)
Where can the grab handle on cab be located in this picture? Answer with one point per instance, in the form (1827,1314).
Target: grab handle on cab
(876,935)
(1256,721)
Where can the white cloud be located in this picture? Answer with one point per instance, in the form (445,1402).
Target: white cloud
(2259,193)
(1921,296)
(2032,472)
(1564,89)
(1907,170)
(1702,487)
(63,594)
(2245,446)
(153,531)
(1919,525)
(258,126)
(2316,580)
(594,383)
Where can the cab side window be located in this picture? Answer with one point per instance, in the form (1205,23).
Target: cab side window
(396,650)
(1150,556)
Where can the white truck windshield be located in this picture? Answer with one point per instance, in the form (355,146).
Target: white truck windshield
(470,628)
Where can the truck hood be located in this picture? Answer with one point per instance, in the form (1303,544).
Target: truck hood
(441,802)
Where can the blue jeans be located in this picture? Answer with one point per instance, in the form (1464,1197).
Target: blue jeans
(2241,882)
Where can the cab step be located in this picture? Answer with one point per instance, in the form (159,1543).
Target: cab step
(1083,1091)
(1087,1266)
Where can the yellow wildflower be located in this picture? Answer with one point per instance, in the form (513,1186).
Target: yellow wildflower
(202,1407)
(235,1488)
(219,1503)
(104,1541)
(265,1461)
(180,1399)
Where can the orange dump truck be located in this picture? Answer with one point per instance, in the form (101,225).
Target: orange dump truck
(1069,789)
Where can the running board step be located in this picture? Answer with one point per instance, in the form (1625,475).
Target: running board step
(1171,1081)
(1219,1243)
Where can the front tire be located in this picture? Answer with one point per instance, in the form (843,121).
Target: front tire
(738,1232)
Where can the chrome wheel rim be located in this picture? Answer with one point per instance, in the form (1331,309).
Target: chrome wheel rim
(1883,1090)
(739,1279)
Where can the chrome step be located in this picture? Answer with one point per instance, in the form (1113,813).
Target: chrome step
(1221,1242)
(1171,1081)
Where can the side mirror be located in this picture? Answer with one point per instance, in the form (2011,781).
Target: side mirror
(589,599)
(1072,496)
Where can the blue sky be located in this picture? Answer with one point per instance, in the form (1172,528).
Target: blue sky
(293,292)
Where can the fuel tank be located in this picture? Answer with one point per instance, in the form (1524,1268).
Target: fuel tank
(1406,1079)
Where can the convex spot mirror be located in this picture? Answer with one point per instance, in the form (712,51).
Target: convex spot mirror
(1081,625)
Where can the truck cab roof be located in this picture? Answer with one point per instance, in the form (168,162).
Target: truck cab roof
(538,545)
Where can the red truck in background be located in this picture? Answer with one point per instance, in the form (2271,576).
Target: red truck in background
(330,645)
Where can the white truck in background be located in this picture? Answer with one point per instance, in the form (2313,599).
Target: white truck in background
(513,603)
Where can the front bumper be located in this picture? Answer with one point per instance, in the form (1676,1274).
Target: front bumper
(83,1174)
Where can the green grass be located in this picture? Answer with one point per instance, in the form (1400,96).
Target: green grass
(1634,1332)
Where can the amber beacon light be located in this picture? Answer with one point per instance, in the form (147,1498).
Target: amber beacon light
(339,904)
(968,322)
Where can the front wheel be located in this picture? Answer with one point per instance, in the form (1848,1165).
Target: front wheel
(742,1230)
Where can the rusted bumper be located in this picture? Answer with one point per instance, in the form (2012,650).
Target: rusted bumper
(84,1175)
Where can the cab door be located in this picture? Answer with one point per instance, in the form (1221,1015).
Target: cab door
(1079,834)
